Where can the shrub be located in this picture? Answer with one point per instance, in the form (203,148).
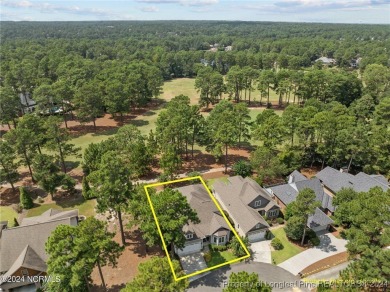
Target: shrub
(207,256)
(314,241)
(86,191)
(242,168)
(280,220)
(193,174)
(268,235)
(16,223)
(25,199)
(68,184)
(215,247)
(310,234)
(163,177)
(277,244)
(269,221)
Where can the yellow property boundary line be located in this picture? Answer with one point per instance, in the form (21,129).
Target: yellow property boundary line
(219,209)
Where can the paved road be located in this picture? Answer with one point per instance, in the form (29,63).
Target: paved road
(278,278)
(329,245)
(329,274)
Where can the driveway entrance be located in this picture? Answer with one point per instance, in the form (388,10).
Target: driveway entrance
(192,263)
(261,251)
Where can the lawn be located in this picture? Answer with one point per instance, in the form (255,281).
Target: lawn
(289,249)
(85,208)
(220,257)
(8,214)
(211,181)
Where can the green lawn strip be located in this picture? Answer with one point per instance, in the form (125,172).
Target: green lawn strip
(8,214)
(85,208)
(211,181)
(289,249)
(220,257)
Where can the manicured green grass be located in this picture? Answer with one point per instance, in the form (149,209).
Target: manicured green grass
(85,208)
(211,181)
(289,249)
(185,86)
(220,257)
(8,214)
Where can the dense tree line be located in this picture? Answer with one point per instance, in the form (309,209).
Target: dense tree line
(121,65)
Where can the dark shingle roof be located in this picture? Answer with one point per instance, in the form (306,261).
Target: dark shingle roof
(297,176)
(319,218)
(287,193)
(362,182)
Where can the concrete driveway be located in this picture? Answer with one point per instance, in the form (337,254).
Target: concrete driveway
(192,263)
(261,251)
(329,245)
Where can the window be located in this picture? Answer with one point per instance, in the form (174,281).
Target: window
(189,236)
(222,239)
(257,225)
(215,239)
(272,213)
(25,272)
(258,203)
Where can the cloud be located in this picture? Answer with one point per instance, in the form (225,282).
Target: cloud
(51,8)
(329,4)
(182,2)
(309,6)
(149,9)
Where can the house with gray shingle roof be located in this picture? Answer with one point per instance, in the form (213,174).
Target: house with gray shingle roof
(334,180)
(22,248)
(247,204)
(285,194)
(212,228)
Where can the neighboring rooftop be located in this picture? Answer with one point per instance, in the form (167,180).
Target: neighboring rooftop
(335,180)
(287,193)
(326,60)
(210,218)
(319,218)
(31,234)
(237,193)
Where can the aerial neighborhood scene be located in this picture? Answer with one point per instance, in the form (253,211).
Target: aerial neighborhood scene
(195,145)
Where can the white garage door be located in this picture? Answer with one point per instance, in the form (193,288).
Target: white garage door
(256,236)
(190,248)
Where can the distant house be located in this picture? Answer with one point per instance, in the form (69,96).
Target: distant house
(212,229)
(334,180)
(228,48)
(285,194)
(246,203)
(326,61)
(28,104)
(22,248)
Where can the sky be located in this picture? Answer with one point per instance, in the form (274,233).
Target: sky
(328,11)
